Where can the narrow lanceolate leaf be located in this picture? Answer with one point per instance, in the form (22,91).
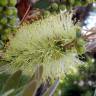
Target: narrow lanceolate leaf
(52,89)
(31,88)
(13,81)
(38,73)
(8,92)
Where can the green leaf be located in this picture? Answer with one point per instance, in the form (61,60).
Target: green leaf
(8,92)
(12,82)
(30,88)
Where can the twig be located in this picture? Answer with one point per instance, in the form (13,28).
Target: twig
(26,13)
